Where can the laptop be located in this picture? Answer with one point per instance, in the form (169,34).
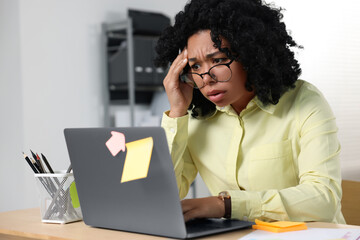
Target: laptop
(125,181)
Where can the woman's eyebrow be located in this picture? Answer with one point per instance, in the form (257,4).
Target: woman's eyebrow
(210,55)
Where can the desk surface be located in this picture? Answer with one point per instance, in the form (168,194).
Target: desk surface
(26,223)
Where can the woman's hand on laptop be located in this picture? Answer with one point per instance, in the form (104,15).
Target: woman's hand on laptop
(209,207)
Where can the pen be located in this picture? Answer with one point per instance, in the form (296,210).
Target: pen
(47,163)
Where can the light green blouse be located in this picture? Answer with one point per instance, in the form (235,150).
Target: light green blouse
(278,162)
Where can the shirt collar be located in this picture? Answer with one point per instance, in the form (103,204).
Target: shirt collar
(227,109)
(269,108)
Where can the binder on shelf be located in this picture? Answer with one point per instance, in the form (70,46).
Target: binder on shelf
(145,30)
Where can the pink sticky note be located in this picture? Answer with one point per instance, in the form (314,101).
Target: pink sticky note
(116,143)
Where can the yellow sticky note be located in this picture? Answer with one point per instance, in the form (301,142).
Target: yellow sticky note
(280,226)
(137,160)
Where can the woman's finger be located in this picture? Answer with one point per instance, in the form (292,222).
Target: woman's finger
(186,205)
(203,208)
(179,63)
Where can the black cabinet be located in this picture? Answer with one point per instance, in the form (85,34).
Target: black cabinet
(130,53)
(131,47)
(145,73)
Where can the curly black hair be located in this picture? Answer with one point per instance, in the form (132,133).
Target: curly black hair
(257,37)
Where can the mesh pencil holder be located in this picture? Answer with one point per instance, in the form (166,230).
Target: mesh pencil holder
(58,198)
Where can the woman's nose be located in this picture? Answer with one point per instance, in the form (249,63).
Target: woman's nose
(208,79)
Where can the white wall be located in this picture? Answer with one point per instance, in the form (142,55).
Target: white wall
(13,172)
(51,75)
(329,30)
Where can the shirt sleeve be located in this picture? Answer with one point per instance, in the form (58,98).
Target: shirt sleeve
(317,197)
(176,130)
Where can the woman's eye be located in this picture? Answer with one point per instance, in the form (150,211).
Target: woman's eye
(195,67)
(220,60)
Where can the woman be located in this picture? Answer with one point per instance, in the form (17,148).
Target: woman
(264,142)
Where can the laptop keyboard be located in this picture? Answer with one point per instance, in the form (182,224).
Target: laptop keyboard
(214,225)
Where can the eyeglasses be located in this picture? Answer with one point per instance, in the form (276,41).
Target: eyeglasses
(220,73)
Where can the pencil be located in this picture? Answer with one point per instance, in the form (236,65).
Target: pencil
(30,164)
(47,163)
(36,165)
(33,154)
(37,161)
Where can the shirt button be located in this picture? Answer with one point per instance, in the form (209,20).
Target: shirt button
(172,130)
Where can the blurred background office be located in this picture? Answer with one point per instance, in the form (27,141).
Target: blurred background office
(53,75)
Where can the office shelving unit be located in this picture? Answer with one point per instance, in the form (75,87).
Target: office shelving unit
(130,83)
(125,25)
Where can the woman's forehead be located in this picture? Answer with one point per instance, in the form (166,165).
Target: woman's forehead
(201,43)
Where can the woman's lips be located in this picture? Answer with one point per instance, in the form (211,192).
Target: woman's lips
(216,95)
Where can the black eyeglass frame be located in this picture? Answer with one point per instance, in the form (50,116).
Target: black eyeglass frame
(186,80)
